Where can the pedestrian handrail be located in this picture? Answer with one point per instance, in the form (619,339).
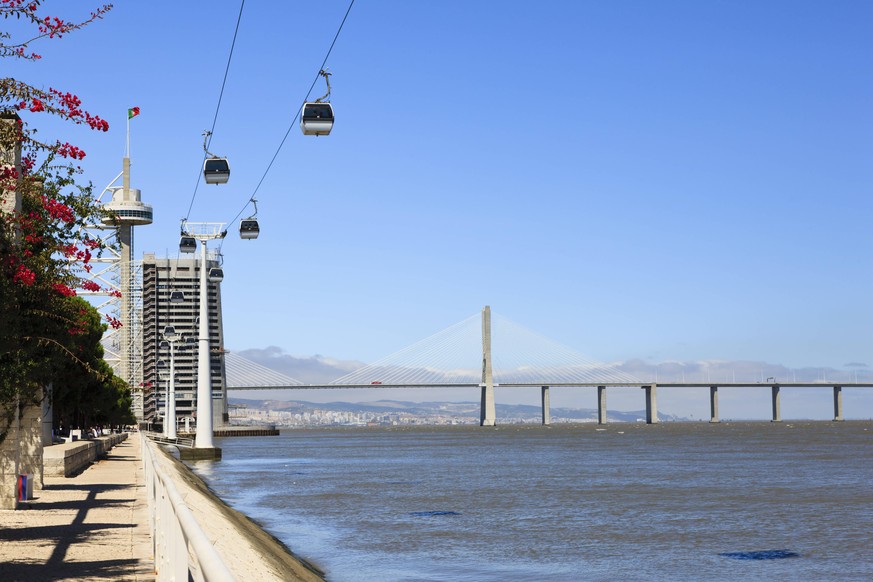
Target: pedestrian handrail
(175,531)
(178,441)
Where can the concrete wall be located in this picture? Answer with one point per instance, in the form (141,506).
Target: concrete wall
(9,465)
(30,443)
(21,452)
(67,459)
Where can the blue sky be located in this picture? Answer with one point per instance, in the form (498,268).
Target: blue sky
(665,181)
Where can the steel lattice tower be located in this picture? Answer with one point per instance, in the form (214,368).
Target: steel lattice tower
(120,280)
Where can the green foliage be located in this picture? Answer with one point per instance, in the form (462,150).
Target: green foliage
(85,392)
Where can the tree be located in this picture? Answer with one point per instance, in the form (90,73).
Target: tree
(42,226)
(87,395)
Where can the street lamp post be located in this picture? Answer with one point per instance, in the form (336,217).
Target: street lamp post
(162,376)
(171,337)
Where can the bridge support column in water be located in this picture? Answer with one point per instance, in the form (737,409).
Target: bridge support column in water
(547,413)
(601,405)
(777,405)
(838,403)
(713,404)
(651,404)
(488,411)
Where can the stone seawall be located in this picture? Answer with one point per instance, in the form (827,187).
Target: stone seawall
(67,459)
(246,549)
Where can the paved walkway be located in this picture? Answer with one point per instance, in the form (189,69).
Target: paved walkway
(90,527)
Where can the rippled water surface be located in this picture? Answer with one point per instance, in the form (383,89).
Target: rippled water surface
(679,501)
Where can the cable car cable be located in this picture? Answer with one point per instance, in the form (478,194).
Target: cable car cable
(296,115)
(218,105)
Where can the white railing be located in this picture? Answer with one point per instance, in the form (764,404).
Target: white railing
(178,441)
(180,545)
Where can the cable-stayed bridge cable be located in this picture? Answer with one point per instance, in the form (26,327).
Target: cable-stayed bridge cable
(242,372)
(453,356)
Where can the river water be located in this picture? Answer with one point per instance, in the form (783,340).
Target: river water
(677,501)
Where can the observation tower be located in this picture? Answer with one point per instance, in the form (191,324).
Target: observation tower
(120,281)
(127,210)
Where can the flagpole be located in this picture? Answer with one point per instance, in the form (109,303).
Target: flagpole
(127,155)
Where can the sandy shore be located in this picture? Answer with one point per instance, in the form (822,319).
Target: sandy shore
(95,526)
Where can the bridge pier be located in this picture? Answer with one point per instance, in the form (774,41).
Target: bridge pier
(547,413)
(488,411)
(777,405)
(713,404)
(838,403)
(601,405)
(651,404)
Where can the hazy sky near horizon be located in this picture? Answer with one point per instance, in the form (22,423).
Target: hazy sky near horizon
(677,180)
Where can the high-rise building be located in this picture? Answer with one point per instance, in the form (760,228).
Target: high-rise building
(170,297)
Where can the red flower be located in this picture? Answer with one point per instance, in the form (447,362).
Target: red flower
(58,210)
(69,151)
(24,275)
(28,163)
(63,290)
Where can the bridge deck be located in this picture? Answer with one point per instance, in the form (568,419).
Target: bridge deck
(569,385)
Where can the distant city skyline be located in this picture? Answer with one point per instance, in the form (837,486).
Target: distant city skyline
(298,414)
(671,181)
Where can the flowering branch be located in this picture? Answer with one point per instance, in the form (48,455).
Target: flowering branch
(45,329)
(47,26)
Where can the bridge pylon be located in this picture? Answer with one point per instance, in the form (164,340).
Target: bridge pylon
(488,412)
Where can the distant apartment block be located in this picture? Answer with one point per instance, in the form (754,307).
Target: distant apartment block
(170,297)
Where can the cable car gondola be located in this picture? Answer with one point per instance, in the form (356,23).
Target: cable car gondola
(187,244)
(216,275)
(249,228)
(316,118)
(216,170)
(177,297)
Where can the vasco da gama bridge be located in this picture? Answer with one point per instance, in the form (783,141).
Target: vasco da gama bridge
(523,358)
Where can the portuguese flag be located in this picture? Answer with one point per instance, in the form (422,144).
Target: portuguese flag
(132,112)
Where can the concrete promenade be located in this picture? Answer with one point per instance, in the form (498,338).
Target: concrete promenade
(93,526)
